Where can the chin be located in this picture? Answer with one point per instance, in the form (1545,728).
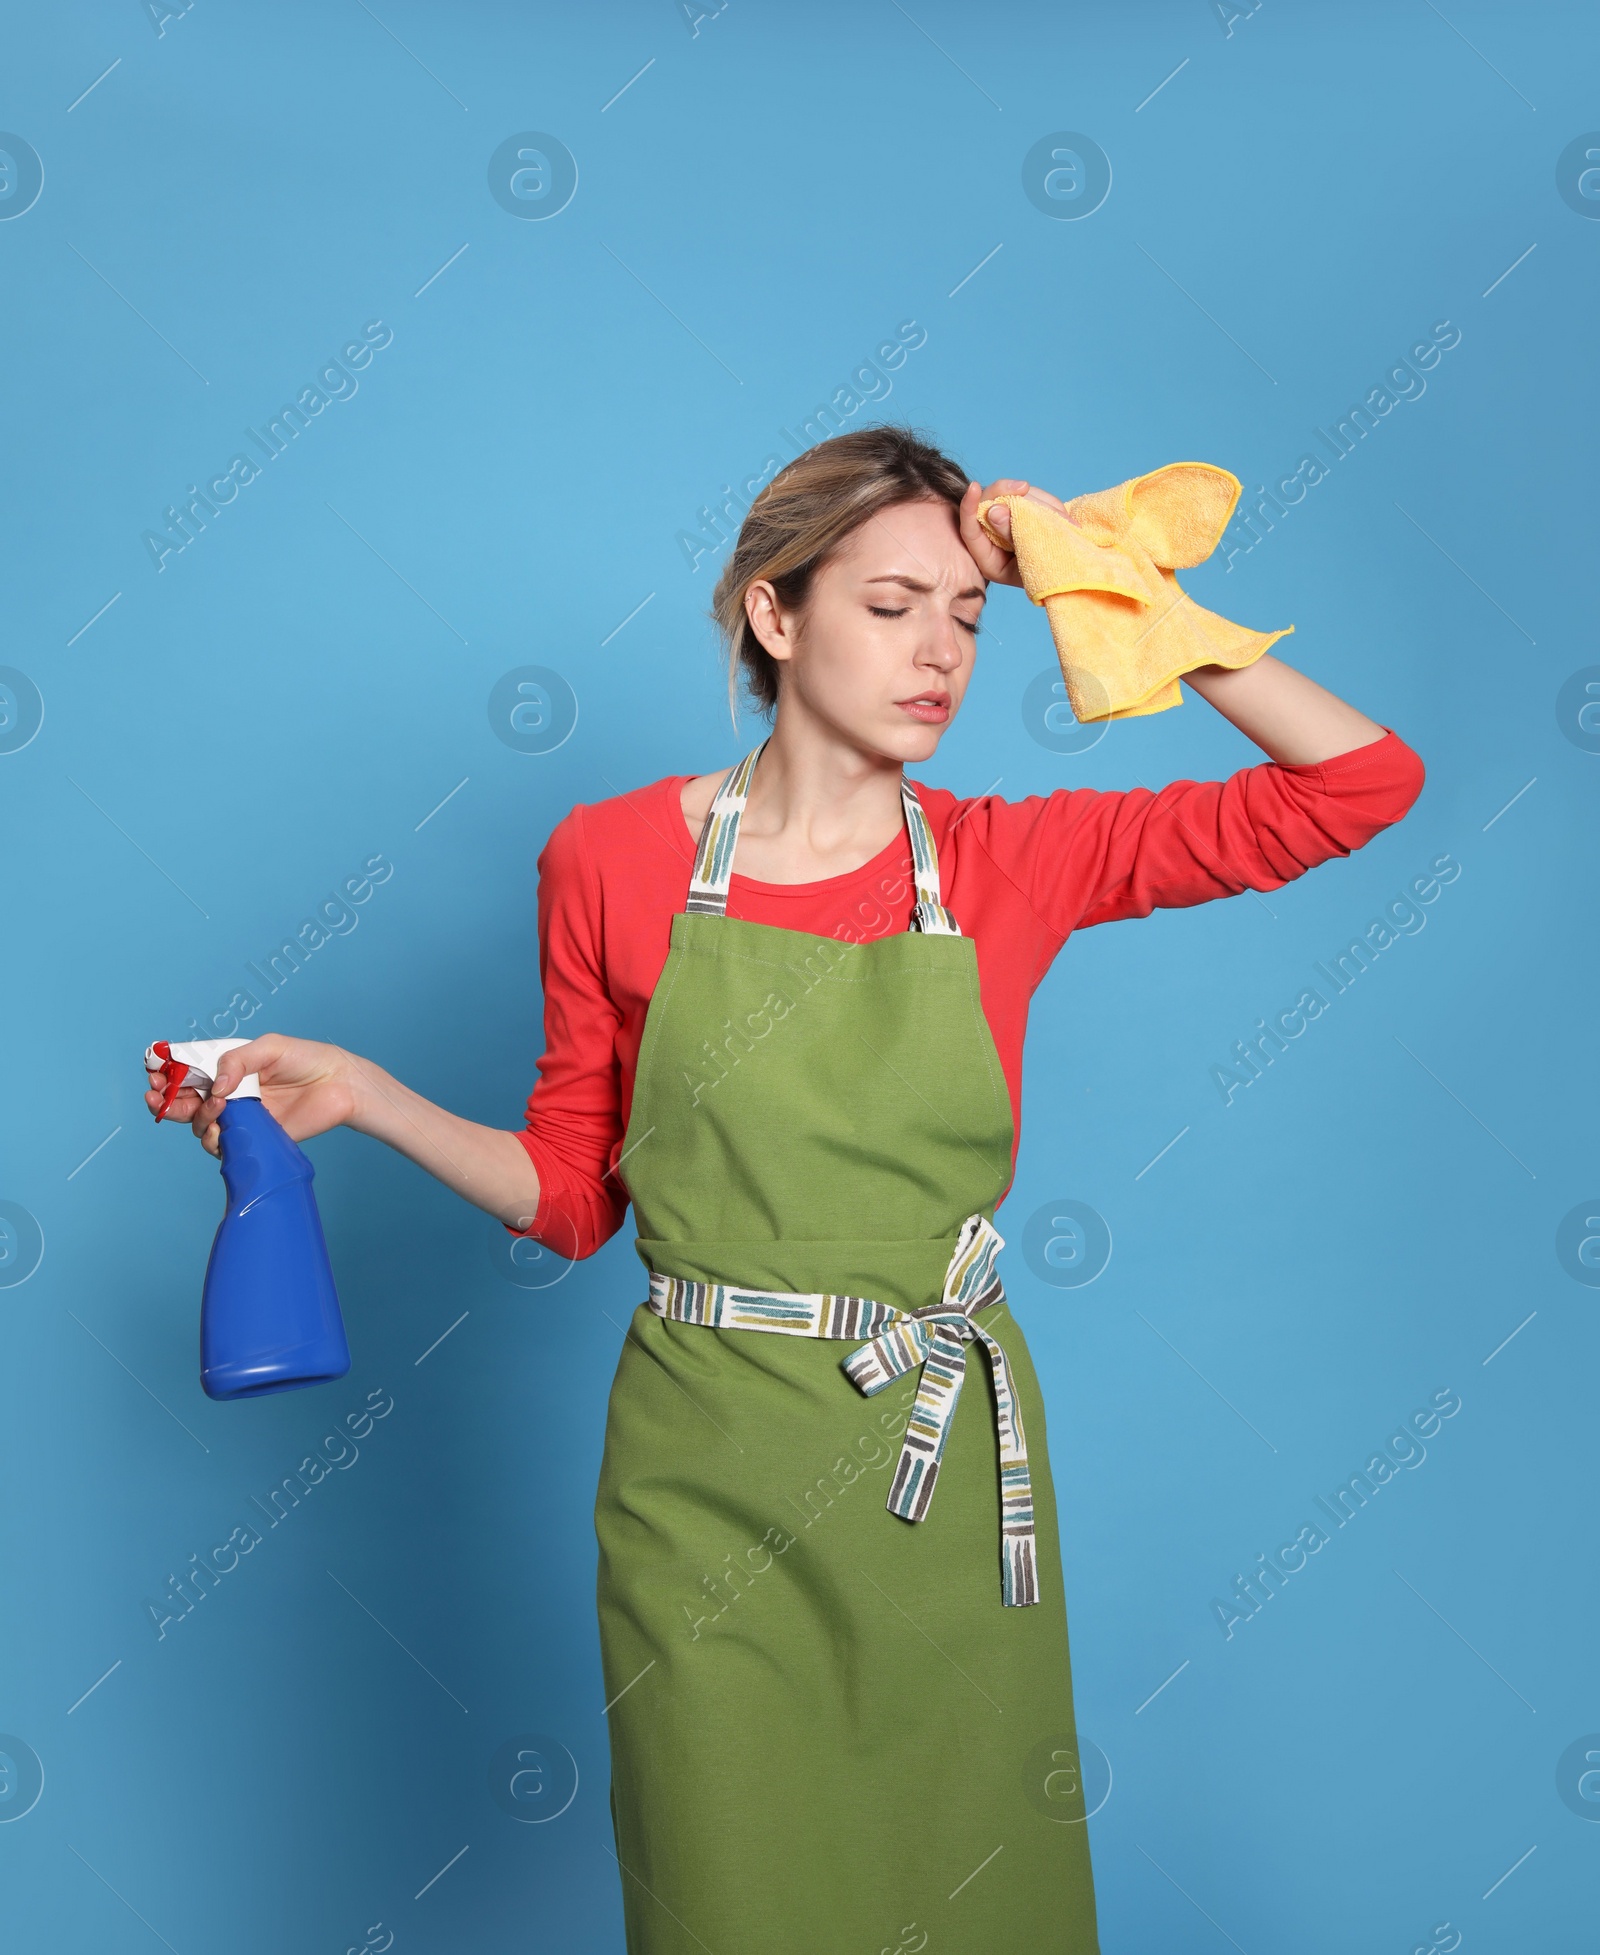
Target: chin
(914,741)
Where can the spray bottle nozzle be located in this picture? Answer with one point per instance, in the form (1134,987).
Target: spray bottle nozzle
(175,1063)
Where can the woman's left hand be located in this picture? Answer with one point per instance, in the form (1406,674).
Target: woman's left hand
(998,562)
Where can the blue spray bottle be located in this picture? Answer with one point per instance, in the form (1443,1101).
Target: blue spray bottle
(269,1313)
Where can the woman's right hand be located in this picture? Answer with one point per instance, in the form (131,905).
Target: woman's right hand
(307,1087)
(997,561)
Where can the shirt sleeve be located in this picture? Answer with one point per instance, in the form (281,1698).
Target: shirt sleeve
(573,1129)
(1083,856)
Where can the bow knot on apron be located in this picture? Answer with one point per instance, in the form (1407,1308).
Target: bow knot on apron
(934,1337)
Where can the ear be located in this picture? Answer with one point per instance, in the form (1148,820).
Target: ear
(775,631)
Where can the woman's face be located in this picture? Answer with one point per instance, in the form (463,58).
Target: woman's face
(886,646)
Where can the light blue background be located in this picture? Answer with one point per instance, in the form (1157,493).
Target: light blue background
(299,689)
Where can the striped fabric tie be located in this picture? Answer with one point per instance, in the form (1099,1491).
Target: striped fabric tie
(930,915)
(934,1338)
(713,861)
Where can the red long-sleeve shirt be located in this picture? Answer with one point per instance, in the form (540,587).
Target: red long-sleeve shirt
(1020,877)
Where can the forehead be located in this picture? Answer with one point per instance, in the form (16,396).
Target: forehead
(915,539)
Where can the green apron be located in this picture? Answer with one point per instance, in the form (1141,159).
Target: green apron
(840,1698)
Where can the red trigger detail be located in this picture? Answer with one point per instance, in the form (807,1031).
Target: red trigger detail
(174,1072)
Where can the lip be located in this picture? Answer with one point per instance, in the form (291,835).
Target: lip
(932,708)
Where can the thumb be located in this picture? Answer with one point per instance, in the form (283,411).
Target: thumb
(234,1066)
(998,517)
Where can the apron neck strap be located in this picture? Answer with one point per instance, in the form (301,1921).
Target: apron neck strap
(713,861)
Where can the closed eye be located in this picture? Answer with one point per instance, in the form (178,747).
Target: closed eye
(889,611)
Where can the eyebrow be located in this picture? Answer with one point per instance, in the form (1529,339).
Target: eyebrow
(915,584)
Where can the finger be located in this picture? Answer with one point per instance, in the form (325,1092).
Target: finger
(992,559)
(204,1119)
(998,519)
(182,1107)
(972,529)
(233,1066)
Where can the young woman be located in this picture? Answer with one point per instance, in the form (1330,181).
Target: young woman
(784,1016)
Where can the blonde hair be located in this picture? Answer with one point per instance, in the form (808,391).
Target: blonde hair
(800,520)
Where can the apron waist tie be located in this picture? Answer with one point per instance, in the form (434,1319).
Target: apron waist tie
(934,1338)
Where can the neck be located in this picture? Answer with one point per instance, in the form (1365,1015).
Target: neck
(820,801)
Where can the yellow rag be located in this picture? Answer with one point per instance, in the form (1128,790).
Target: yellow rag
(1124,630)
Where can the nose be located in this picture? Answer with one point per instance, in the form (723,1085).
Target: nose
(944,645)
